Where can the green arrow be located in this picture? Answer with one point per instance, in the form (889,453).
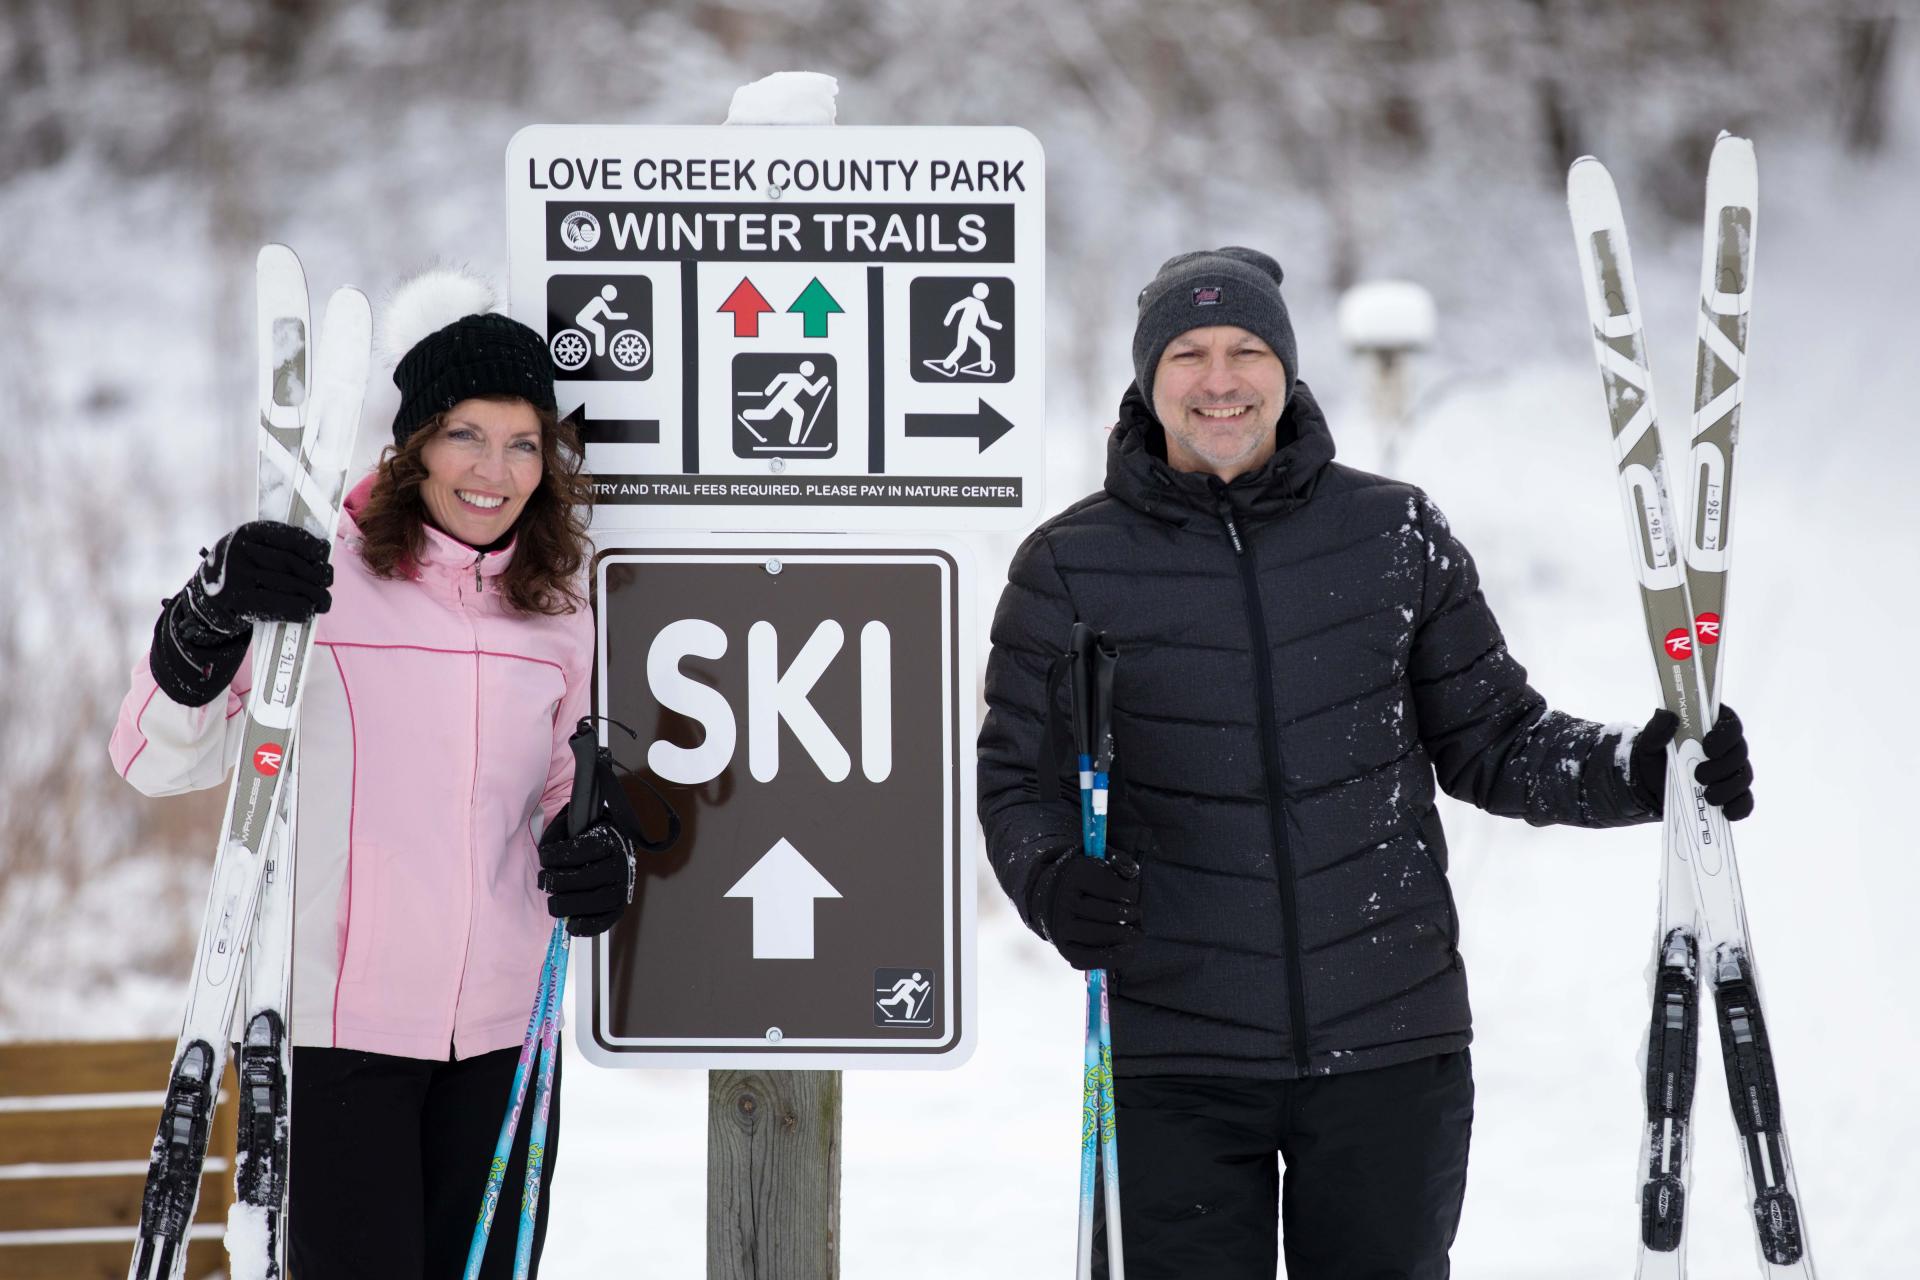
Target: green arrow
(816,304)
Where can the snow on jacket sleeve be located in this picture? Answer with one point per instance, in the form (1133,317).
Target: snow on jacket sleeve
(1494,741)
(165,749)
(577,702)
(1026,831)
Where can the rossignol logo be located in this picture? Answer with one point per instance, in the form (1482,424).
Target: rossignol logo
(1707,627)
(1679,644)
(268,758)
(1211,295)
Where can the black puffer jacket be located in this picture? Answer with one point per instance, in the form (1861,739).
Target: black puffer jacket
(1281,709)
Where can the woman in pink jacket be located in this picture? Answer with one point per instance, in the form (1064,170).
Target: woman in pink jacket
(451,662)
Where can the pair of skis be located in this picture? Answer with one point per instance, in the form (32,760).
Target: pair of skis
(1683,591)
(309,415)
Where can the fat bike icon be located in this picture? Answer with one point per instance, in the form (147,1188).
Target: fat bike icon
(628,349)
(597,326)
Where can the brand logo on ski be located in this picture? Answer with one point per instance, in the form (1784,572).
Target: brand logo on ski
(268,758)
(1679,644)
(1707,627)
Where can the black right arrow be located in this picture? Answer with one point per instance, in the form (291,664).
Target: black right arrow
(613,430)
(986,425)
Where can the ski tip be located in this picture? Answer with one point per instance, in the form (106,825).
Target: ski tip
(1590,187)
(349,298)
(1731,144)
(275,255)
(1732,175)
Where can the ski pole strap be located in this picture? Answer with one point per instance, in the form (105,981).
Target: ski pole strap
(598,793)
(620,809)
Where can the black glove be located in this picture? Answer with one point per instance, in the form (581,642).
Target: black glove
(264,570)
(1725,772)
(1090,908)
(588,877)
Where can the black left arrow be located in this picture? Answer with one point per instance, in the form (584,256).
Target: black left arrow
(986,424)
(613,430)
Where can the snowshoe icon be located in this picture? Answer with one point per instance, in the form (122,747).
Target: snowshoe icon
(954,369)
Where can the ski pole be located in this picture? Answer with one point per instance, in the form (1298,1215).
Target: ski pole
(1104,656)
(503,1147)
(543,1102)
(1091,674)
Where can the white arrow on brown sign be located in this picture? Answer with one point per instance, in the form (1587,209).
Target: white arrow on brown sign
(783,886)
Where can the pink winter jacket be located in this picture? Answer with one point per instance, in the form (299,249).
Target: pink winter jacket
(433,729)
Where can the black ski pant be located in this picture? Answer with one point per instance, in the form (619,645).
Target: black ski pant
(1376,1167)
(390,1161)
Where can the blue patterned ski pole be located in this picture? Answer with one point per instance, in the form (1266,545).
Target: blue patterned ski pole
(503,1147)
(543,1102)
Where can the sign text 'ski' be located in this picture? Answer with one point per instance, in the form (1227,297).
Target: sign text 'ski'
(791,328)
(801,709)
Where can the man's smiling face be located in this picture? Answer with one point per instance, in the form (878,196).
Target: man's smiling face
(1218,391)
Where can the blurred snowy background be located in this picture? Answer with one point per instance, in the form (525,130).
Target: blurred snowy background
(148,147)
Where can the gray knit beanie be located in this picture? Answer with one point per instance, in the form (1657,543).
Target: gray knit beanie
(1231,285)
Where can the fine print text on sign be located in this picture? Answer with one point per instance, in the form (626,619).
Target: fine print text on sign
(800,705)
(776,328)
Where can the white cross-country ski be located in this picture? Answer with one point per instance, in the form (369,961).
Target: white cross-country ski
(256,1245)
(256,1222)
(306,442)
(1702,916)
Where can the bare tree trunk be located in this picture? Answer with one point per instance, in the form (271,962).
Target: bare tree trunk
(1866,50)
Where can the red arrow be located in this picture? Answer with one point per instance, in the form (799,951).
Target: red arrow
(746,306)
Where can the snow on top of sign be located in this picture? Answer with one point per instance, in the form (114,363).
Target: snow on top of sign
(1387,314)
(785,97)
(427,303)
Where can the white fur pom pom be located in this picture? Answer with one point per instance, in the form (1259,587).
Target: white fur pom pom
(427,303)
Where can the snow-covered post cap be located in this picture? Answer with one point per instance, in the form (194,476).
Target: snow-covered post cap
(1387,316)
(785,97)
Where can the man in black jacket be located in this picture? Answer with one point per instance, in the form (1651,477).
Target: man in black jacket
(1304,652)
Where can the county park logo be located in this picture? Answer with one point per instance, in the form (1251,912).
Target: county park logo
(268,758)
(580,231)
(1679,644)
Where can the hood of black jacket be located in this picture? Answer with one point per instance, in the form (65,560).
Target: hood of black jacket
(1138,474)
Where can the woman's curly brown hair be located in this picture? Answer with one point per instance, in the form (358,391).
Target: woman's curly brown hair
(550,537)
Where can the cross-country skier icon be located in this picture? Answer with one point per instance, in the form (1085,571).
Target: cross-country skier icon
(783,396)
(968,316)
(907,1000)
(629,348)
